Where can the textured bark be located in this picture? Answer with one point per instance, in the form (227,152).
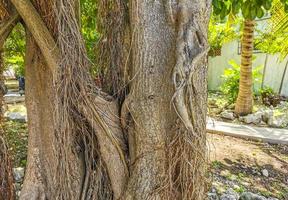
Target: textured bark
(7,26)
(39,101)
(167,37)
(151,93)
(40,97)
(164,113)
(244,103)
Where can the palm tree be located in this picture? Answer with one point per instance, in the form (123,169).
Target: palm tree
(244,103)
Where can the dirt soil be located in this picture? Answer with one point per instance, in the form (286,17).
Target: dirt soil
(242,165)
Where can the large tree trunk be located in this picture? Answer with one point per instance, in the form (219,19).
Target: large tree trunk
(39,101)
(42,162)
(153,58)
(169,64)
(244,103)
(163,116)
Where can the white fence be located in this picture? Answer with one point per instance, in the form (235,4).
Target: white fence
(274,73)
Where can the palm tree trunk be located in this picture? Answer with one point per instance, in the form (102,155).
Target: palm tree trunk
(244,103)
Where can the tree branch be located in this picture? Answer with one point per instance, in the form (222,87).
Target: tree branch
(39,31)
(7,26)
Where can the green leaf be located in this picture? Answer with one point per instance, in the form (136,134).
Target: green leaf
(216,4)
(267,4)
(246,10)
(260,12)
(253,12)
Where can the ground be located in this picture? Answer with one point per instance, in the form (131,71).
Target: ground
(239,164)
(235,163)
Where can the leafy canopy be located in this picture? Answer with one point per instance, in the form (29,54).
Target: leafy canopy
(250,9)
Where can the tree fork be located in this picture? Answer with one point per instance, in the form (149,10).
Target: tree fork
(7,26)
(39,31)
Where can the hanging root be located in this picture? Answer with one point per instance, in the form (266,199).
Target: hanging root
(187,153)
(87,126)
(87,121)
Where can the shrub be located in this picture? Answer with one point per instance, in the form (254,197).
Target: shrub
(269,97)
(231,77)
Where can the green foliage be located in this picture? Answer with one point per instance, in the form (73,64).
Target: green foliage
(274,39)
(222,31)
(14,50)
(231,78)
(17,138)
(88,26)
(267,91)
(250,9)
(285,3)
(269,97)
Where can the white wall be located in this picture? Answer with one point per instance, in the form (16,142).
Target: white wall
(273,72)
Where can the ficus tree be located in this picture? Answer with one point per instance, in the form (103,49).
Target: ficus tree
(143,135)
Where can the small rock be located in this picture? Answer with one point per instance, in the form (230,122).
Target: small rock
(279,121)
(265,172)
(230,194)
(267,114)
(213,189)
(18,174)
(255,118)
(227,115)
(213,196)
(262,123)
(251,196)
(16,116)
(282,105)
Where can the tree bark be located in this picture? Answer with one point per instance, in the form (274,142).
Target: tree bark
(41,161)
(167,38)
(164,114)
(151,93)
(7,26)
(244,103)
